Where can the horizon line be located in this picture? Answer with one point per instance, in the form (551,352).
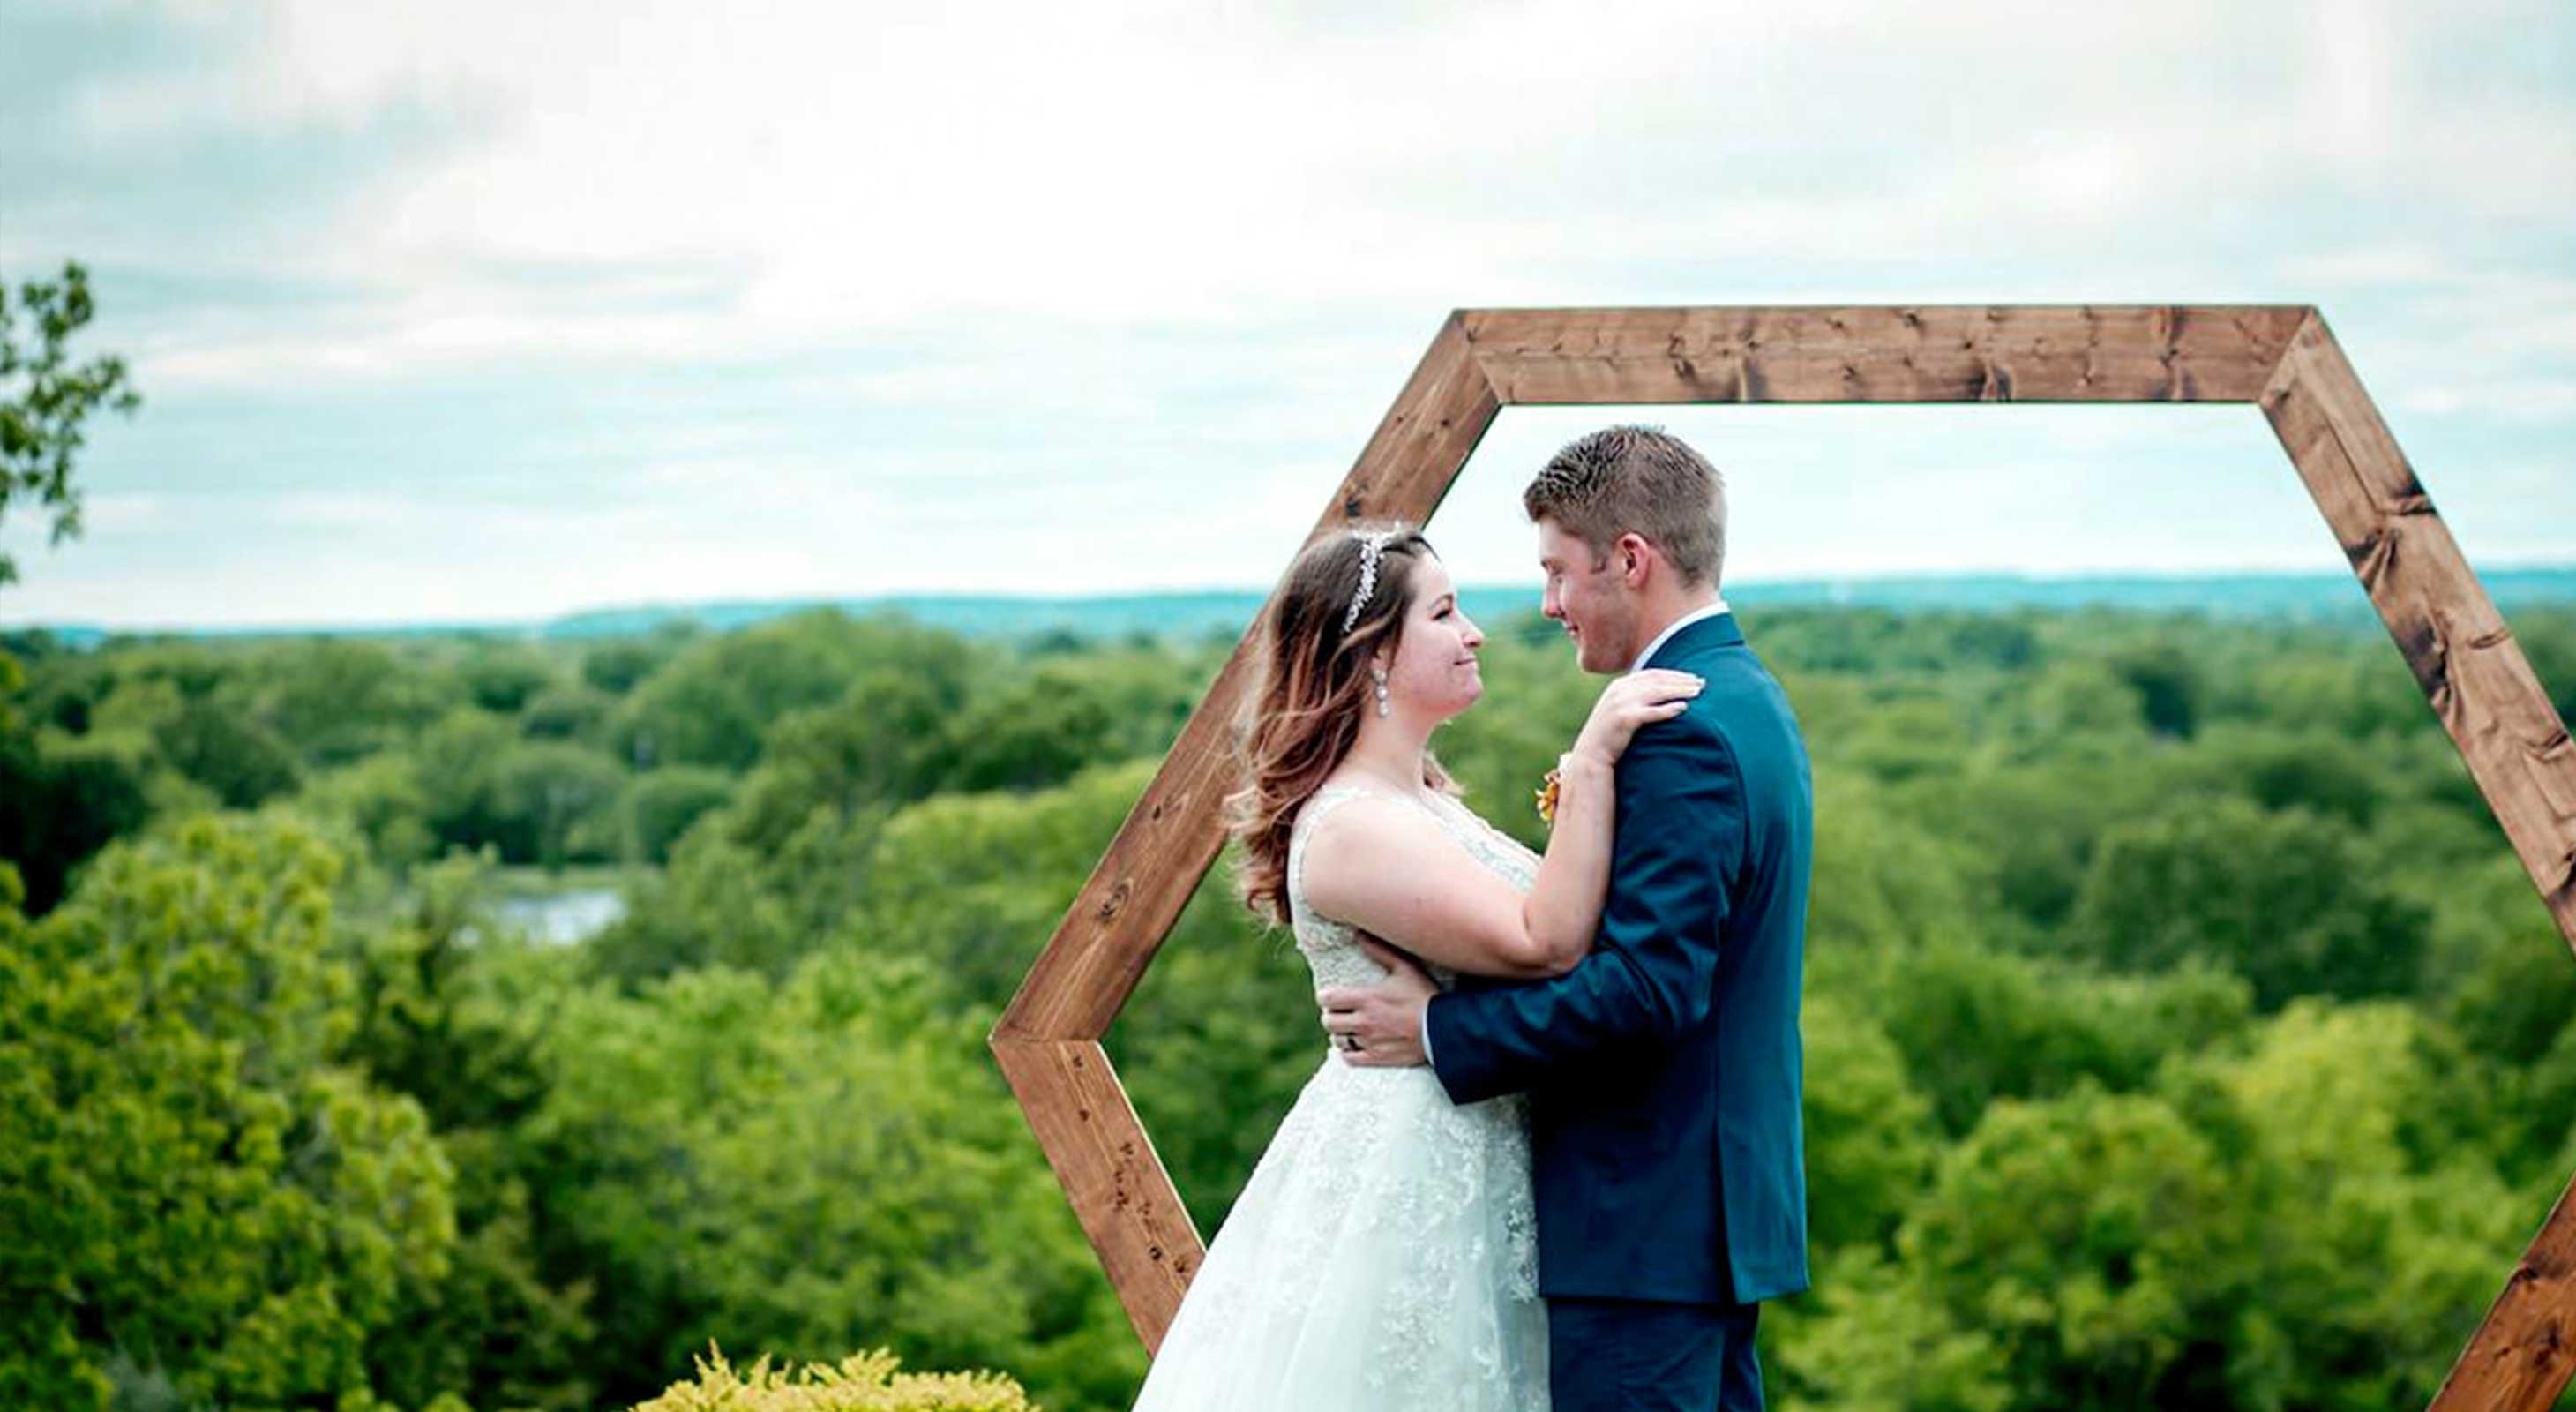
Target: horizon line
(425,625)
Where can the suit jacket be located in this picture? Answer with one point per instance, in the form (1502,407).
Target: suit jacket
(1665,1070)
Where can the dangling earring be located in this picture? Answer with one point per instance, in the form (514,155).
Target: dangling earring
(1377,684)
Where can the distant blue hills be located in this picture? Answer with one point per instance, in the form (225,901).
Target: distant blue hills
(2313,598)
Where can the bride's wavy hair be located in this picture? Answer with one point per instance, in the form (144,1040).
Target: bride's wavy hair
(1313,682)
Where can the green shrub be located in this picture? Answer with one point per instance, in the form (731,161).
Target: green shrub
(863,1382)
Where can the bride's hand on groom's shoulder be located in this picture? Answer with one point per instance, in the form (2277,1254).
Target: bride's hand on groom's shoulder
(1629,702)
(1380,1026)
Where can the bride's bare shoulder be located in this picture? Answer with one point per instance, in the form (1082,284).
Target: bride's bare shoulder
(1349,818)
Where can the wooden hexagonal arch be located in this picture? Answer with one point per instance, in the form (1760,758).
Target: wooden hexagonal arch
(2278,356)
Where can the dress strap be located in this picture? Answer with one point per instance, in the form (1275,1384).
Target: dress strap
(1327,798)
(1457,810)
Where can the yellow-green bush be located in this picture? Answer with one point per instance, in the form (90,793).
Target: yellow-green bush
(862,1382)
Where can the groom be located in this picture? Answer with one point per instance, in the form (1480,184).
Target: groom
(1664,1070)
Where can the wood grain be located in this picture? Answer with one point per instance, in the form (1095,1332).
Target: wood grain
(1933,353)
(2446,627)
(1110,1173)
(2520,1358)
(1423,441)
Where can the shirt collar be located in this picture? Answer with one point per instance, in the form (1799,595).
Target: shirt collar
(1685,620)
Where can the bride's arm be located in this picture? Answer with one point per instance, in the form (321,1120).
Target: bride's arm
(1385,867)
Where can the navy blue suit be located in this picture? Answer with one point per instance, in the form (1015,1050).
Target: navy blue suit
(1664,1071)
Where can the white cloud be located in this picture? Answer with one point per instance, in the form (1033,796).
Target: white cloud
(911,278)
(868,168)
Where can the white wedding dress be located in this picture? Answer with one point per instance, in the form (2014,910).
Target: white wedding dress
(1384,1255)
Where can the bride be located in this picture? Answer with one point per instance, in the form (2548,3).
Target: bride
(1384,1253)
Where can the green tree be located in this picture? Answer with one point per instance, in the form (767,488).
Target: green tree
(2090,1237)
(193,1193)
(1043,723)
(826,1164)
(616,666)
(715,703)
(504,678)
(2025,831)
(1866,1339)
(555,802)
(2285,899)
(2548,640)
(335,699)
(47,397)
(2289,769)
(453,1010)
(975,883)
(2169,684)
(1883,883)
(2358,687)
(1871,1140)
(64,798)
(60,685)
(2372,1228)
(659,807)
(222,748)
(378,804)
(573,711)
(1976,1025)
(884,743)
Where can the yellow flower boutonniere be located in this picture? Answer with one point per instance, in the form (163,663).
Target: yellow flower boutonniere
(1547,789)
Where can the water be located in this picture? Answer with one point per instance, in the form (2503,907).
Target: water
(564,917)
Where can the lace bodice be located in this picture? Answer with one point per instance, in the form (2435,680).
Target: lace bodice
(1331,948)
(1385,1252)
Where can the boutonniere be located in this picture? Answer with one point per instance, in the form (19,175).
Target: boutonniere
(1546,801)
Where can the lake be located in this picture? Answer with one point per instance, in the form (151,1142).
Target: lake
(564,917)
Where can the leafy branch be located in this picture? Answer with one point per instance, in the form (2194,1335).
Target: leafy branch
(46,397)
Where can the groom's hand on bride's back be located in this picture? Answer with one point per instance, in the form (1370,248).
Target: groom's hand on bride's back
(1380,1026)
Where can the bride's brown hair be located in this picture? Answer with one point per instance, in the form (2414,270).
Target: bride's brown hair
(1305,705)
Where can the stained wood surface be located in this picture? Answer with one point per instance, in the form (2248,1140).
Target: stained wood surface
(2447,628)
(2520,1358)
(1934,353)
(1111,1174)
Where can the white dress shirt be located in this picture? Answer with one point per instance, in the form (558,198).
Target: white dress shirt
(1714,607)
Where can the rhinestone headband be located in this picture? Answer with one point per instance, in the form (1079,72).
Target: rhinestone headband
(1372,548)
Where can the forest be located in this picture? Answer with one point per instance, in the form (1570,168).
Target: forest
(2180,1030)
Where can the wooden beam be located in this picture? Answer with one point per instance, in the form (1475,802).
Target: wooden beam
(2520,1358)
(1110,1173)
(2455,642)
(1933,353)
(1423,441)
(1138,888)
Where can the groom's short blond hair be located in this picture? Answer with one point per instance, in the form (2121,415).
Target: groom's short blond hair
(1640,480)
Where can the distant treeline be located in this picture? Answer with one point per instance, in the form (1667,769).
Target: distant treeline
(2322,598)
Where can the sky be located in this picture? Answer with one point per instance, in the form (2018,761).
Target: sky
(494,310)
